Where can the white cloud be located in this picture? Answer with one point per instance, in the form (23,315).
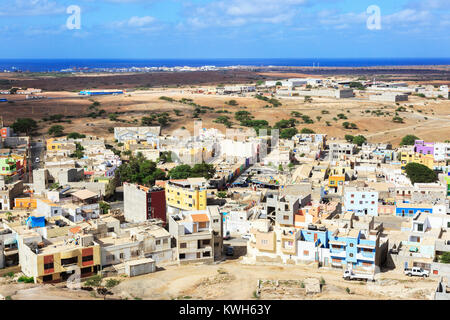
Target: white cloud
(31,8)
(233,13)
(140,21)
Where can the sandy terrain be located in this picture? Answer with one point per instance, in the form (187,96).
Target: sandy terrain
(232,280)
(138,104)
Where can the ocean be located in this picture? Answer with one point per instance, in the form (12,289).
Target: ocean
(53,65)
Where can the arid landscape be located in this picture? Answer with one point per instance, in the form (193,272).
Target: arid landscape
(425,117)
(232,280)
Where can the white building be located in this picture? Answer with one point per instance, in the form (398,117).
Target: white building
(362,201)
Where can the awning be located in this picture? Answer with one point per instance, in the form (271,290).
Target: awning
(338,243)
(365,246)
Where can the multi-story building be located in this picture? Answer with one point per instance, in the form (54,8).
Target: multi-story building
(424,147)
(283,208)
(328,247)
(194,236)
(340,150)
(143,203)
(59,257)
(8,194)
(361,201)
(441,151)
(185,195)
(142,241)
(424,159)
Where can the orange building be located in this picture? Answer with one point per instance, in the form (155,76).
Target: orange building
(25,203)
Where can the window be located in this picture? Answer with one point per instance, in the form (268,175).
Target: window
(87,258)
(352,202)
(47,278)
(351,245)
(305,252)
(351,255)
(264,242)
(420,227)
(182,256)
(68,261)
(111,229)
(206,254)
(216,221)
(352,195)
(121,256)
(135,253)
(165,241)
(158,242)
(110,257)
(183,245)
(285,217)
(48,266)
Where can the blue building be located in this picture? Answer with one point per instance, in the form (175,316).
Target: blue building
(350,248)
(410,209)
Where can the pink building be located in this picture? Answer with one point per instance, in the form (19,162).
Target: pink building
(424,147)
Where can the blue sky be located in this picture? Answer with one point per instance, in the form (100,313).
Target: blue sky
(151,29)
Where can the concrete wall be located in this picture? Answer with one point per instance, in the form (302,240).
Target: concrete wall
(147,266)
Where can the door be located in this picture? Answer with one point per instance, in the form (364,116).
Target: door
(315,237)
(406,264)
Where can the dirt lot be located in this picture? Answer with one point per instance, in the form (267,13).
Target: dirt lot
(232,280)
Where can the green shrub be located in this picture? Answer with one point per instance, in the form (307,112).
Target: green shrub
(94,281)
(112,283)
(26,279)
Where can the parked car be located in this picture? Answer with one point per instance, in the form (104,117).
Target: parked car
(227,236)
(417,272)
(229,251)
(247,236)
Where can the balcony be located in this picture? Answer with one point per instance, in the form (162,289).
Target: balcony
(366,256)
(338,253)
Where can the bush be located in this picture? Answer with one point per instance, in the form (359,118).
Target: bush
(349,137)
(56,131)
(307,131)
(288,133)
(397,119)
(347,290)
(322,281)
(25,125)
(76,135)
(408,140)
(359,140)
(445,257)
(419,173)
(94,281)
(222,194)
(26,279)
(112,283)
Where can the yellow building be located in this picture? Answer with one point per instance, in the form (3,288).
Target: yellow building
(60,259)
(54,145)
(408,157)
(336,180)
(183,195)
